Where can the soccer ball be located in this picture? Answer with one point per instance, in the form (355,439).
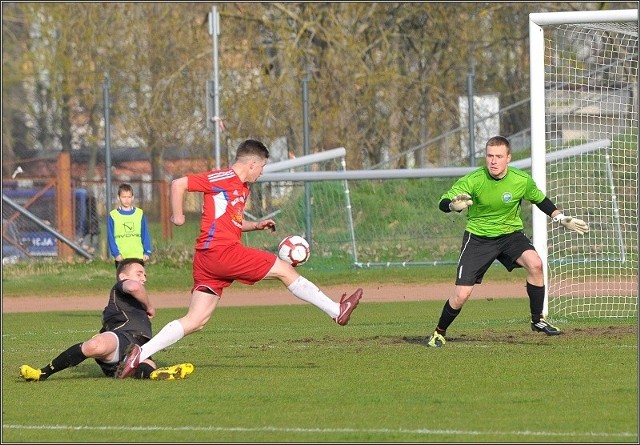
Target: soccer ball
(294,250)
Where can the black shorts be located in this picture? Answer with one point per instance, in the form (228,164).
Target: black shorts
(125,339)
(478,253)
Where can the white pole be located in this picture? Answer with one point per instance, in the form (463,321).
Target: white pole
(615,207)
(352,231)
(538,146)
(559,18)
(538,130)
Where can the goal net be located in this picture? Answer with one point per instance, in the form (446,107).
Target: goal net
(584,92)
(320,212)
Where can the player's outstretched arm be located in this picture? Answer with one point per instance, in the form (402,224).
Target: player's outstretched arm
(571,223)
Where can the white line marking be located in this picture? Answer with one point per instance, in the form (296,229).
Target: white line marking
(420,431)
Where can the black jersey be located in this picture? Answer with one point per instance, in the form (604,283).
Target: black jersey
(125,313)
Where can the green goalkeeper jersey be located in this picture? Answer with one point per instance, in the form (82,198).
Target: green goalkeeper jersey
(497,203)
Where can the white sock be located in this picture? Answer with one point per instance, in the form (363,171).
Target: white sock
(309,292)
(168,335)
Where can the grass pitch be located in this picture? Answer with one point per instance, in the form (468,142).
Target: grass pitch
(288,374)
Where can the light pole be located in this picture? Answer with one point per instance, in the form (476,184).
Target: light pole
(306,149)
(214,31)
(472,123)
(107,140)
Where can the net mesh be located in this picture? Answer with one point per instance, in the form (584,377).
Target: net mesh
(591,75)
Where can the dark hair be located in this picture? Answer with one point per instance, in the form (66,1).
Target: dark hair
(125,188)
(498,141)
(124,265)
(251,147)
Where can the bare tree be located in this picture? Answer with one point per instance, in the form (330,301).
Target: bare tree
(14,130)
(384,77)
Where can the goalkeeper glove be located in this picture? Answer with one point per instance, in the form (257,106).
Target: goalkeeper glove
(573,224)
(460,202)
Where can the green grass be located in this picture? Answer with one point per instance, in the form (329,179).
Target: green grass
(165,275)
(287,374)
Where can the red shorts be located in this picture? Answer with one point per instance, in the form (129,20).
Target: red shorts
(218,267)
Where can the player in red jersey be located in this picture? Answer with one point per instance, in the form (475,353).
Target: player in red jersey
(220,258)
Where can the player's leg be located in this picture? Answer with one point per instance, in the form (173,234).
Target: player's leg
(121,343)
(103,346)
(99,346)
(205,295)
(72,356)
(531,261)
(307,291)
(518,251)
(201,308)
(476,255)
(249,266)
(302,288)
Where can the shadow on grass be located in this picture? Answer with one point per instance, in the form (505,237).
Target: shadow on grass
(528,337)
(489,336)
(484,338)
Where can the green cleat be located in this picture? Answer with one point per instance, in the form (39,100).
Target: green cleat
(30,374)
(436,340)
(174,372)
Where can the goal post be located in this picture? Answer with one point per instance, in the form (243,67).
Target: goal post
(584,90)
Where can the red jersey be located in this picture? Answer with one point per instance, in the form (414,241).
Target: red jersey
(224,199)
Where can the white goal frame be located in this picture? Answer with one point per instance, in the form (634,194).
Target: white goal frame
(539,125)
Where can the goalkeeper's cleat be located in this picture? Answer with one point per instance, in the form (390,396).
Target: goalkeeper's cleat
(174,372)
(436,340)
(30,374)
(546,327)
(131,361)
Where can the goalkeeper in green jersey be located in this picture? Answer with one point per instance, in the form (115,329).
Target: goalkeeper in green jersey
(492,196)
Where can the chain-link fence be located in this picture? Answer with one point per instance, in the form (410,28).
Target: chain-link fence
(35,207)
